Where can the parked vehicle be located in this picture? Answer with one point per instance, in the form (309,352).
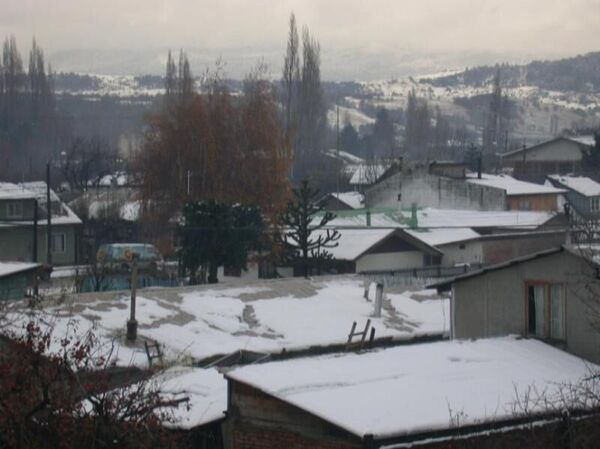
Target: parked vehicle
(119,256)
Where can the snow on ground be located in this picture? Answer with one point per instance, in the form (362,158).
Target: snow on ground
(348,115)
(580,184)
(413,388)
(263,316)
(7,268)
(512,186)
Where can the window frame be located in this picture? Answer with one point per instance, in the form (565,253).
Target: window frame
(64,242)
(548,309)
(18,205)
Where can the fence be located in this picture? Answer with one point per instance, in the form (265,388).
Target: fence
(417,277)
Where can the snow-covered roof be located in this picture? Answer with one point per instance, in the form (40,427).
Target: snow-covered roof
(367,174)
(430,218)
(344,156)
(65,216)
(414,389)
(580,184)
(588,140)
(262,316)
(512,186)
(114,179)
(581,140)
(443,236)
(354,242)
(205,389)
(10,191)
(354,200)
(8,268)
(450,218)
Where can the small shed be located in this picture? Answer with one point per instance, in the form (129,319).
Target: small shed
(16,278)
(431,396)
(550,295)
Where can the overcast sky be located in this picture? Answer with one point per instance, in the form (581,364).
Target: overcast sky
(514,27)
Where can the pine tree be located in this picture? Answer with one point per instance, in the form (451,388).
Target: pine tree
(302,233)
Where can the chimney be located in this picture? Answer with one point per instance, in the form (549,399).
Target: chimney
(413,223)
(479,163)
(378,300)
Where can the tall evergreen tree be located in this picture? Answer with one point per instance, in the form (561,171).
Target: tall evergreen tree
(302,233)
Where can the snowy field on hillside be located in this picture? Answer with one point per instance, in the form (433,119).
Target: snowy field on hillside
(196,323)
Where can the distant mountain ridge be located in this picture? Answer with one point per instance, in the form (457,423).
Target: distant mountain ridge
(579,73)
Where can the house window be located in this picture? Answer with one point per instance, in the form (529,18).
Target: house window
(59,242)
(462,246)
(432,261)
(14,209)
(595,204)
(524,205)
(546,310)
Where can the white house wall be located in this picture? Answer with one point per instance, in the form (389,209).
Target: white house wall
(472,253)
(389,261)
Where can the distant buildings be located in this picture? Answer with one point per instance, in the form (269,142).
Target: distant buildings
(582,194)
(561,155)
(449,186)
(17,221)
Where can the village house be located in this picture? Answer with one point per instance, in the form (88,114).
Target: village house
(550,295)
(18,221)
(582,195)
(520,195)
(363,250)
(342,201)
(561,155)
(449,186)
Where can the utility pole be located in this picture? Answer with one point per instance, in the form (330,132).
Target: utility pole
(337,148)
(132,323)
(34,256)
(189,175)
(49,218)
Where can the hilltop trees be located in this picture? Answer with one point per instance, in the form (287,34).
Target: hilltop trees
(304,104)
(28,120)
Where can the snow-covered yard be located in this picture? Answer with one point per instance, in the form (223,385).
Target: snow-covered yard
(196,323)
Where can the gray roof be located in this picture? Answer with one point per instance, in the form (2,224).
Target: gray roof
(526,149)
(445,284)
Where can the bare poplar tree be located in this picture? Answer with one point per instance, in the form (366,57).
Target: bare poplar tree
(291,73)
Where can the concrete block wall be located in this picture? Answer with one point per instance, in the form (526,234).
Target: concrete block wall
(426,190)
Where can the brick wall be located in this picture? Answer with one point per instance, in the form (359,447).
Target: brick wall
(247,438)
